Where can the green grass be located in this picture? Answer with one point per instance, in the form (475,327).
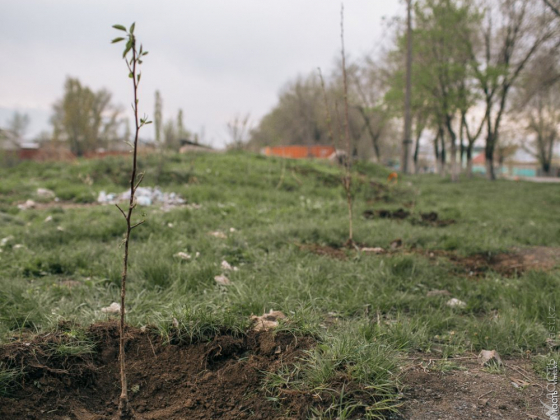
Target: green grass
(366,310)
(8,379)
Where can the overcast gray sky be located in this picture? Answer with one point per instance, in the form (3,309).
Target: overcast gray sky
(212,58)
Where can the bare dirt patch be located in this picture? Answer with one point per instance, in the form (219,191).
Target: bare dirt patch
(467,391)
(217,379)
(56,204)
(512,263)
(328,251)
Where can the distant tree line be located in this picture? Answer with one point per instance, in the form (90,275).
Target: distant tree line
(479,66)
(85,120)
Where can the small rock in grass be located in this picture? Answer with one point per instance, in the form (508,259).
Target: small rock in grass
(223,280)
(267,321)
(113,308)
(489,357)
(455,303)
(48,219)
(397,243)
(438,293)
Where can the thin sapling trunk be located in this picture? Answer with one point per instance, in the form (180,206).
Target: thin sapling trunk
(347,176)
(133,59)
(347,180)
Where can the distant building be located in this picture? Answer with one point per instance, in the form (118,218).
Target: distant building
(519,164)
(188,146)
(300,152)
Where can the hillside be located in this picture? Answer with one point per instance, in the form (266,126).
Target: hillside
(365,333)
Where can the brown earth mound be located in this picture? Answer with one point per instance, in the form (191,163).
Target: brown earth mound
(218,379)
(512,263)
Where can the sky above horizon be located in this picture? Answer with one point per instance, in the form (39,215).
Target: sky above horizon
(213,59)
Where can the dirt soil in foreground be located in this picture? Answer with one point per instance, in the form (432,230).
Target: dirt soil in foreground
(223,379)
(469,391)
(219,379)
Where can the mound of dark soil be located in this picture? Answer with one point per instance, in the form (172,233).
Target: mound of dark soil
(432,219)
(217,379)
(399,214)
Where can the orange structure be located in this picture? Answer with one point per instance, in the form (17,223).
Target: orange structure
(300,152)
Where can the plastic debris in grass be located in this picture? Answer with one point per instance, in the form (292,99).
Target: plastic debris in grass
(455,303)
(218,234)
(113,308)
(183,255)
(29,204)
(223,280)
(373,250)
(227,266)
(145,196)
(267,321)
(5,240)
(186,256)
(45,193)
(489,358)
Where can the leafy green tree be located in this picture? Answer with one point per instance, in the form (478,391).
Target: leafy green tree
(442,42)
(84,119)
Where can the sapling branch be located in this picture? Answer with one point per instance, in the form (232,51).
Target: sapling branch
(347,181)
(132,63)
(343,131)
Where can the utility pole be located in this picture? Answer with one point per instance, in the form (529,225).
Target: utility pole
(407,141)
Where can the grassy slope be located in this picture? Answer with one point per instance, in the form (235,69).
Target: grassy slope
(273,213)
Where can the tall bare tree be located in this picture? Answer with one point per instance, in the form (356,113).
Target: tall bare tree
(367,88)
(514,32)
(238,129)
(537,101)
